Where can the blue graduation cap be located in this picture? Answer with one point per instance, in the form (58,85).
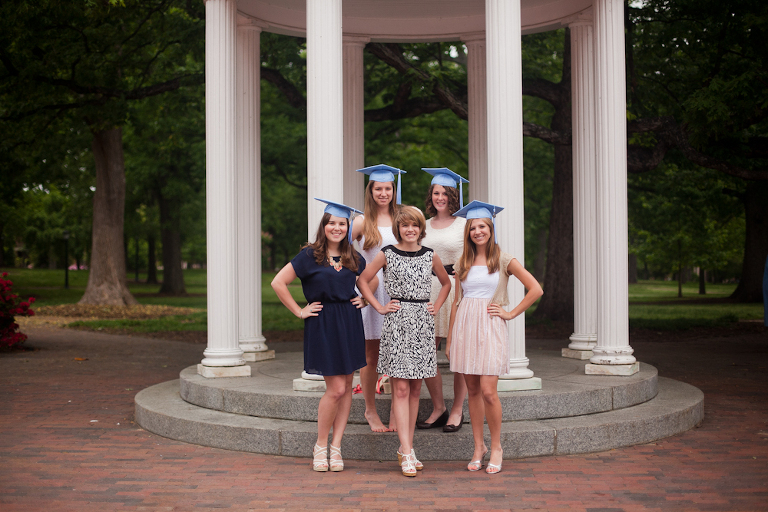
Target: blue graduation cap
(480,210)
(384,173)
(340,210)
(447,178)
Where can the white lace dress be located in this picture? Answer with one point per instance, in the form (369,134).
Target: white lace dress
(448,243)
(372,320)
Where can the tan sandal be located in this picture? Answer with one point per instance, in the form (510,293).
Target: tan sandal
(336,464)
(419,465)
(320,458)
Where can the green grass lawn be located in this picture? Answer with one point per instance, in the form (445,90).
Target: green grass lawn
(47,286)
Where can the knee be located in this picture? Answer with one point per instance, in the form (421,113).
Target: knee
(490,396)
(336,393)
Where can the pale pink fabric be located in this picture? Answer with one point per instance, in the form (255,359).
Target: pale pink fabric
(478,340)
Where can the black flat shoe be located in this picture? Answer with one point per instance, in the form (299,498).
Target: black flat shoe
(439,422)
(454,428)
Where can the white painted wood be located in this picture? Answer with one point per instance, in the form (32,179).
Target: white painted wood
(354,121)
(505,152)
(248,178)
(478,118)
(221,220)
(611,142)
(325,116)
(584,336)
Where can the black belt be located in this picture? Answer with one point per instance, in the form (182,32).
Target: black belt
(410,300)
(448,270)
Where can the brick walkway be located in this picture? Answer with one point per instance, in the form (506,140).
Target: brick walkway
(68,442)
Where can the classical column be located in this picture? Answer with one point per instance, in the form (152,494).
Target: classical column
(223,356)
(325,124)
(478,120)
(248,184)
(325,116)
(613,355)
(584,336)
(505,162)
(354,121)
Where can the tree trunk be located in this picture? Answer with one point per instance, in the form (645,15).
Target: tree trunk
(679,270)
(170,235)
(151,260)
(107,279)
(756,243)
(702,281)
(632,268)
(540,260)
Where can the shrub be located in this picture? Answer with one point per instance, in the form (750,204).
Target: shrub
(10,307)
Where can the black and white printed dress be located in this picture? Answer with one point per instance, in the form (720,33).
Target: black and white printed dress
(407,348)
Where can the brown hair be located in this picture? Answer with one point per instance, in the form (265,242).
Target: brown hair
(409,214)
(349,257)
(453,200)
(492,252)
(370,228)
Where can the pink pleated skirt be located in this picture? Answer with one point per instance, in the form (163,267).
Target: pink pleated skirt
(478,340)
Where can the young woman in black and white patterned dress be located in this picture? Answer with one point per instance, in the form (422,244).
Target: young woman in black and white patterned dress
(407,349)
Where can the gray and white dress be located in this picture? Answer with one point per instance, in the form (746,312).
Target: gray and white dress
(407,348)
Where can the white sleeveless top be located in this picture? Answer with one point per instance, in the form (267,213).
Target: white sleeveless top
(479,284)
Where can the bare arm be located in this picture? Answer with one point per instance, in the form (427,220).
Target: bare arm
(445,281)
(357,227)
(280,284)
(364,285)
(531,284)
(454,309)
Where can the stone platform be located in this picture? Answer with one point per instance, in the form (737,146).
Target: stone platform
(572,413)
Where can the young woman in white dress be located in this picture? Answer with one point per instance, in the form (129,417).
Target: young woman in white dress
(373,231)
(477,346)
(445,235)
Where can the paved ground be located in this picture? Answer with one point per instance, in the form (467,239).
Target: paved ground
(68,442)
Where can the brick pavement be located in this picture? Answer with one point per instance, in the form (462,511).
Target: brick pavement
(68,442)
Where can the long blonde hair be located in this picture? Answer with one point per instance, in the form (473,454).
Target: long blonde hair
(492,252)
(370,227)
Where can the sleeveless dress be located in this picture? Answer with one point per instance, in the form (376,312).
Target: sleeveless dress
(334,343)
(372,320)
(407,349)
(478,340)
(448,244)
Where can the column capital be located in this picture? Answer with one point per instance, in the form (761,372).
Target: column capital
(248,23)
(355,40)
(585,17)
(475,37)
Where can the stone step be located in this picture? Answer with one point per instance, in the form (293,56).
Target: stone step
(676,408)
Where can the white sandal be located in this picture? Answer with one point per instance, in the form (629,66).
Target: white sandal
(418,464)
(336,464)
(409,464)
(320,458)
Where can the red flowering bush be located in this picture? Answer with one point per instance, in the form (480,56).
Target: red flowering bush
(10,307)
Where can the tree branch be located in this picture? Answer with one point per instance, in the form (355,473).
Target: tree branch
(295,98)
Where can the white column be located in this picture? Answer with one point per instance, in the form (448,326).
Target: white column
(223,357)
(354,121)
(478,120)
(248,179)
(613,355)
(325,117)
(505,161)
(584,336)
(325,124)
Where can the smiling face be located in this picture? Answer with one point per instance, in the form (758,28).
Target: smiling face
(480,232)
(439,198)
(409,231)
(336,229)
(382,192)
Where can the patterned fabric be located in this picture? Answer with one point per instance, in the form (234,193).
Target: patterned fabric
(448,243)
(407,349)
(479,343)
(372,320)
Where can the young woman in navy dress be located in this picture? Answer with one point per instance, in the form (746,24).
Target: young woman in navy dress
(334,341)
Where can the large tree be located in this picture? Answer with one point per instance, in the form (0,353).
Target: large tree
(87,62)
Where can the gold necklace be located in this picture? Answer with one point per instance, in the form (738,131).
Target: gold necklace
(335,264)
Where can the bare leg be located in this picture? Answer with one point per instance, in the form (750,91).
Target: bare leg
(492,404)
(368,377)
(401,398)
(342,413)
(459,394)
(336,390)
(476,414)
(435,388)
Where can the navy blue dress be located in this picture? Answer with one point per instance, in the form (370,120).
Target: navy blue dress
(334,341)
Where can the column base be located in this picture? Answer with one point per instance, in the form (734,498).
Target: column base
(574,354)
(259,356)
(612,369)
(216,372)
(519,384)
